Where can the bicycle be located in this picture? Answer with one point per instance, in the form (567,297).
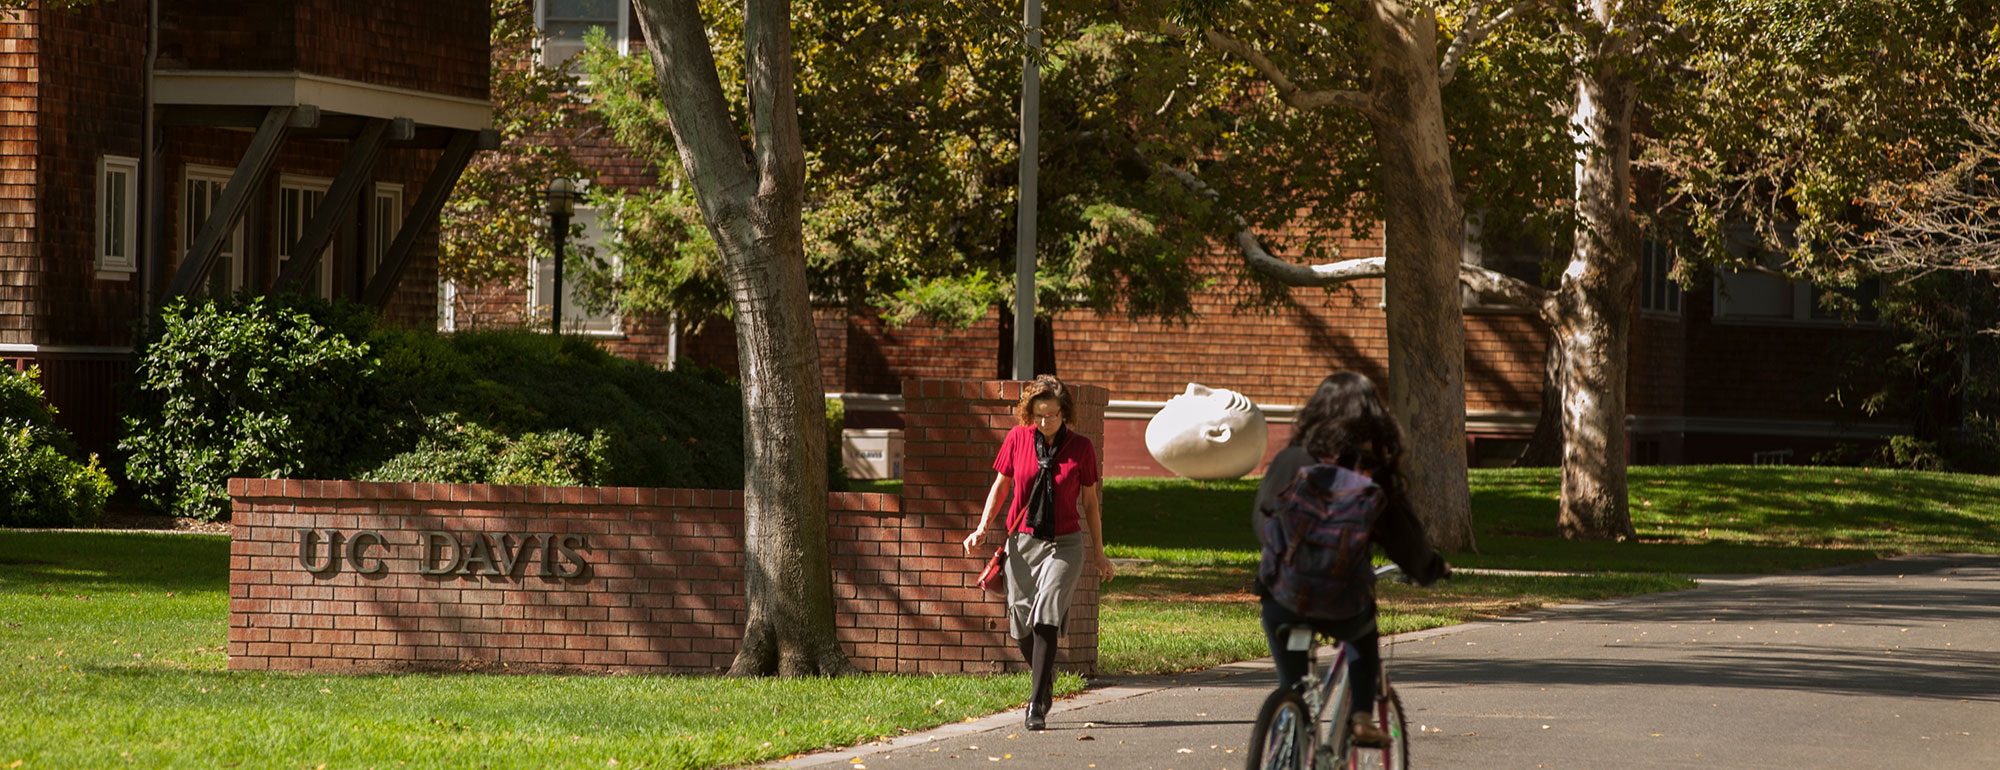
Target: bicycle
(1305,726)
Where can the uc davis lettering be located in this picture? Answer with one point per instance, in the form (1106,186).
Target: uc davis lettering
(438,553)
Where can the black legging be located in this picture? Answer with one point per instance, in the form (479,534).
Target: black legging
(1039,650)
(1367,666)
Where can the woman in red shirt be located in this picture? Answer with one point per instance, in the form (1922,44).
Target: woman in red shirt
(1051,473)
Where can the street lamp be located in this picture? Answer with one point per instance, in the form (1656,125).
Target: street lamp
(559,202)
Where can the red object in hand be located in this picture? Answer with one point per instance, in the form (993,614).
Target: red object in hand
(992,578)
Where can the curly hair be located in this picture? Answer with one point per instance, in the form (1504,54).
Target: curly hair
(1345,422)
(1044,386)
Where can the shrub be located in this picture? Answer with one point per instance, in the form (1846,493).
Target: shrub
(658,428)
(42,484)
(255,386)
(456,452)
(295,387)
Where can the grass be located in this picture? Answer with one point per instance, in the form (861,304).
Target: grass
(112,644)
(113,655)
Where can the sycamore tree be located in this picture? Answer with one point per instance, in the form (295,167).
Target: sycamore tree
(1373,68)
(908,120)
(747,176)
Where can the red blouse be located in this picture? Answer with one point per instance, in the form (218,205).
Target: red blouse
(1076,468)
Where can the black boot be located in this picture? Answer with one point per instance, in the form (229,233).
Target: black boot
(1042,660)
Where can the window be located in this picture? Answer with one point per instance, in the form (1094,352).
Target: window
(1762,296)
(384,221)
(117,217)
(1658,292)
(576,318)
(201,189)
(298,199)
(565,24)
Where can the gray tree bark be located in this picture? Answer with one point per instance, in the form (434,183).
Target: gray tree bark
(1425,227)
(1594,302)
(753,213)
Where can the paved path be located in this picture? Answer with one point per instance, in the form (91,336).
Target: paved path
(1890,664)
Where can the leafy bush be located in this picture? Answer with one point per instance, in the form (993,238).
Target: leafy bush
(296,387)
(658,428)
(456,452)
(42,484)
(256,386)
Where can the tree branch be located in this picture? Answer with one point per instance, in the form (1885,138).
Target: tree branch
(1286,88)
(1947,220)
(1471,34)
(1513,291)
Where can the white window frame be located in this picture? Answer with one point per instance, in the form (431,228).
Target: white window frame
(385,219)
(288,231)
(194,174)
(116,227)
(554,53)
(574,322)
(1659,293)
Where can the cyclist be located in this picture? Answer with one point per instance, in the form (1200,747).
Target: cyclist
(1346,424)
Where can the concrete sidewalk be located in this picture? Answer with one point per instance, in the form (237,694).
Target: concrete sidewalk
(1889,664)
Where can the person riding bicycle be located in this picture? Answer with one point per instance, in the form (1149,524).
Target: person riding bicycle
(1346,424)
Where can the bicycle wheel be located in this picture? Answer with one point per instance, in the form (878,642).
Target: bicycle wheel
(1282,739)
(1389,717)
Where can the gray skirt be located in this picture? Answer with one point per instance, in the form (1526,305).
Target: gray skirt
(1041,580)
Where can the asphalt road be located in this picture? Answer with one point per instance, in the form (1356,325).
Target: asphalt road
(1894,664)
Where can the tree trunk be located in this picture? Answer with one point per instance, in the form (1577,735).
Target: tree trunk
(1595,302)
(1545,447)
(753,214)
(1425,228)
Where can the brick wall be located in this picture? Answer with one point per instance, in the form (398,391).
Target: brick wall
(439,46)
(663,587)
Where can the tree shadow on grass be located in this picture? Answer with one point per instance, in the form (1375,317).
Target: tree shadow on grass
(94,562)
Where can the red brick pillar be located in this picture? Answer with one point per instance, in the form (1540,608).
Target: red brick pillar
(952,430)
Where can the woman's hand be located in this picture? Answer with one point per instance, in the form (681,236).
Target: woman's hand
(1105,570)
(978,536)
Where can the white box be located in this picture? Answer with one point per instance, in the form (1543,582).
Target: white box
(872,453)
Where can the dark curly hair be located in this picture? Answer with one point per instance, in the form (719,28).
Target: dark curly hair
(1346,423)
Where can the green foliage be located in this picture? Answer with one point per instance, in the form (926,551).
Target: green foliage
(1783,115)
(656,428)
(911,145)
(254,386)
(492,219)
(294,387)
(42,484)
(836,463)
(452,451)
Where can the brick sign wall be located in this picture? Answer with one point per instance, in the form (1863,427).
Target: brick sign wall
(355,576)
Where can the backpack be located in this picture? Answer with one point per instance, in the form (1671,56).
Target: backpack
(1317,559)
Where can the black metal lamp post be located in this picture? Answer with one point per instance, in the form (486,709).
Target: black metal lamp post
(559,202)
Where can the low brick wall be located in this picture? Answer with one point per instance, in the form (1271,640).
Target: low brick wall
(358,576)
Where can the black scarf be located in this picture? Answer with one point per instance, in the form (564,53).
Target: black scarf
(1041,507)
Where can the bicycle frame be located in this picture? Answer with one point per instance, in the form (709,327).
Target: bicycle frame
(1325,701)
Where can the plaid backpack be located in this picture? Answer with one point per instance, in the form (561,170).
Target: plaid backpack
(1316,547)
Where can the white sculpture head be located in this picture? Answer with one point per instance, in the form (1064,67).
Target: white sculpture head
(1208,433)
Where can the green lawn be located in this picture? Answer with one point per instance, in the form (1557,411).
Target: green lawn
(111,644)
